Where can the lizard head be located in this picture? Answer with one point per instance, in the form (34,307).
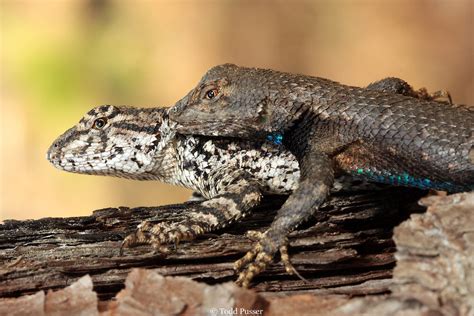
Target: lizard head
(111,140)
(228,101)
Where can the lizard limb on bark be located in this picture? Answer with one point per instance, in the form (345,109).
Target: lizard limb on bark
(369,133)
(314,183)
(237,194)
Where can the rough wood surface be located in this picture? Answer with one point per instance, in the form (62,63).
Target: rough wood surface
(434,272)
(347,249)
(435,256)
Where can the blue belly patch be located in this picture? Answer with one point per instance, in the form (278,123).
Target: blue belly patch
(405,179)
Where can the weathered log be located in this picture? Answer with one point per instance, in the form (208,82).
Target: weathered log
(346,249)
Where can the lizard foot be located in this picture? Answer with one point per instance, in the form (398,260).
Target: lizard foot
(260,256)
(159,234)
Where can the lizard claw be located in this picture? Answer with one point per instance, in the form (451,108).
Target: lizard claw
(142,237)
(159,234)
(259,257)
(290,269)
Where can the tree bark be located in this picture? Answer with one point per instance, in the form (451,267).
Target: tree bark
(347,248)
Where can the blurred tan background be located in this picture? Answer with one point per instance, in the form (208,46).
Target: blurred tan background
(60,58)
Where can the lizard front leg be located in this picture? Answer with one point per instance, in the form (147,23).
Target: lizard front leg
(236,193)
(317,177)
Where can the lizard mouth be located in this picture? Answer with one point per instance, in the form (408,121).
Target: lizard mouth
(75,162)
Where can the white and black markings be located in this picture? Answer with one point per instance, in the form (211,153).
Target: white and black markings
(141,144)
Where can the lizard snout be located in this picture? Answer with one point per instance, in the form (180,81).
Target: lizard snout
(52,153)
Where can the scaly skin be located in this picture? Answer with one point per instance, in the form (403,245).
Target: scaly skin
(331,128)
(139,143)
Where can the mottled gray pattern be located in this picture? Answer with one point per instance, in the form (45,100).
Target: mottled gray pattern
(139,143)
(155,152)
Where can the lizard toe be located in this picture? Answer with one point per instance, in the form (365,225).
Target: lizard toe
(260,256)
(138,237)
(256,259)
(262,260)
(160,234)
(285,259)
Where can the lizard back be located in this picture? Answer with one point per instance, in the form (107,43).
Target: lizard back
(385,137)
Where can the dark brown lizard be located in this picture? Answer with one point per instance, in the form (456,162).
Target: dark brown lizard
(331,128)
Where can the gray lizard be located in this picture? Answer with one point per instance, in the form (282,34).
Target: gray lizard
(332,129)
(139,143)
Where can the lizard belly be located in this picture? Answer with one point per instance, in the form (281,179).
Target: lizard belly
(277,174)
(362,161)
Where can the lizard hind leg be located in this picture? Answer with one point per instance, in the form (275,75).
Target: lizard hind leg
(400,86)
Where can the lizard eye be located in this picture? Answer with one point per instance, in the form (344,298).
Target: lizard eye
(211,94)
(99,123)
